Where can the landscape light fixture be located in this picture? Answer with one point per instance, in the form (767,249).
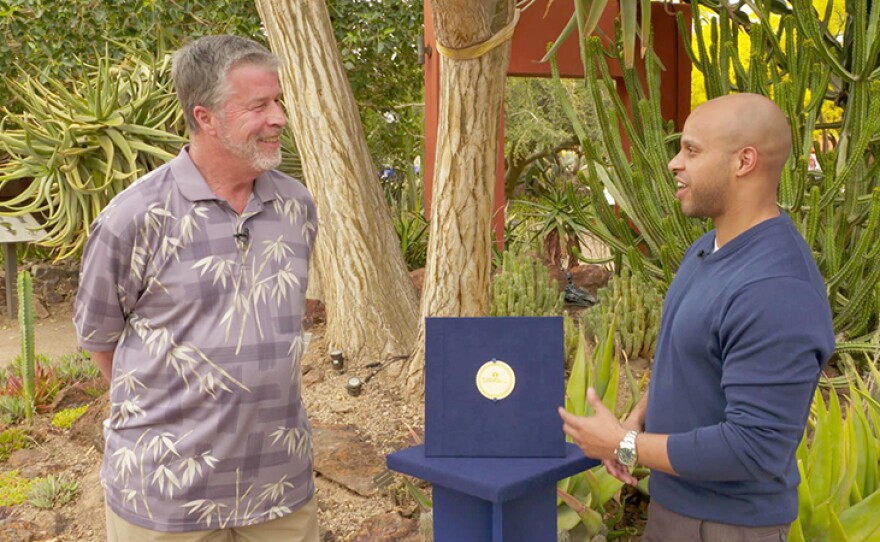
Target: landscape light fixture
(337,361)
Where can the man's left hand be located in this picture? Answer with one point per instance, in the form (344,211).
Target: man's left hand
(598,435)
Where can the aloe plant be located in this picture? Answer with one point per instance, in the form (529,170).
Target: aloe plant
(78,146)
(582,498)
(839,463)
(26,331)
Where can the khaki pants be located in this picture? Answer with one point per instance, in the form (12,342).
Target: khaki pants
(667,526)
(300,526)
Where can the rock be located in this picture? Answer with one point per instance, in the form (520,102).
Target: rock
(51,523)
(88,430)
(17,531)
(37,470)
(590,277)
(341,408)
(25,457)
(41,311)
(71,397)
(54,283)
(388,527)
(313,377)
(342,456)
(418,279)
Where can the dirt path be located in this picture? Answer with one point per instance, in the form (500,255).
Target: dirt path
(53,334)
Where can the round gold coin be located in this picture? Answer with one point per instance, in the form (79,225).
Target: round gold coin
(495,380)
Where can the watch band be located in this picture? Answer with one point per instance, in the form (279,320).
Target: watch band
(626,450)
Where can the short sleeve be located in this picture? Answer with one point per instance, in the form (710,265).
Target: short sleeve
(107,288)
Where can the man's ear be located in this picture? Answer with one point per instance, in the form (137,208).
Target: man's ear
(205,118)
(747,161)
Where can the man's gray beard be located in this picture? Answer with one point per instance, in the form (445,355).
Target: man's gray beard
(251,153)
(262,162)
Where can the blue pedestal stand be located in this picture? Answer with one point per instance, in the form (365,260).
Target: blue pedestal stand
(480,499)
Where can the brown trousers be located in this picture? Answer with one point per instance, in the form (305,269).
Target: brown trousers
(667,526)
(300,526)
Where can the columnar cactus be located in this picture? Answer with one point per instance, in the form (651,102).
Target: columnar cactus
(523,288)
(26,329)
(638,306)
(837,209)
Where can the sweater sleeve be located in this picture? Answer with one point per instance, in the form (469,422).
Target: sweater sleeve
(774,337)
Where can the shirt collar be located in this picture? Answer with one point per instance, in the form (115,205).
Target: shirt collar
(194,187)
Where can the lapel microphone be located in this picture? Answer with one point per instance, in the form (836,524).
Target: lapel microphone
(243,235)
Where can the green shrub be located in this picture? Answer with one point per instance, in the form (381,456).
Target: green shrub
(12,409)
(412,231)
(523,288)
(52,491)
(77,367)
(12,440)
(65,418)
(13,488)
(638,322)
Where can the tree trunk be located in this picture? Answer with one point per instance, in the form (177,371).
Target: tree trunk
(471,97)
(370,301)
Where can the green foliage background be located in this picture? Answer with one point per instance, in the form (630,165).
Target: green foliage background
(52,39)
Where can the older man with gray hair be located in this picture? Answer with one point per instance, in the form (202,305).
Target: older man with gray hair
(191,299)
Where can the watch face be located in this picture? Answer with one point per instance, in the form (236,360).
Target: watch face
(626,456)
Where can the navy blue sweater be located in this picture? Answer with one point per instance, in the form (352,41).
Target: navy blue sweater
(744,335)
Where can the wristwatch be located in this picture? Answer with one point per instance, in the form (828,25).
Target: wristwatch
(626,450)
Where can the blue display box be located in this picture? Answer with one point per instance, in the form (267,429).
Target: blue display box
(494,447)
(462,422)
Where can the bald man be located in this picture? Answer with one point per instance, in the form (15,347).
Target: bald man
(746,330)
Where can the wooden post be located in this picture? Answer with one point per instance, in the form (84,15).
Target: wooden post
(9,255)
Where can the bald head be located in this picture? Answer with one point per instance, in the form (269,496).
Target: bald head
(749,120)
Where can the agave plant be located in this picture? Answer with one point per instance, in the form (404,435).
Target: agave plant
(839,463)
(74,148)
(582,499)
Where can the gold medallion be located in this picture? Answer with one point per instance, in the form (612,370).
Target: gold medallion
(495,380)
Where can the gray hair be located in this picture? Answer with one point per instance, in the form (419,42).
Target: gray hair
(199,70)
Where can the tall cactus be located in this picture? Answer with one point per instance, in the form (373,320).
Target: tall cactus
(798,64)
(26,329)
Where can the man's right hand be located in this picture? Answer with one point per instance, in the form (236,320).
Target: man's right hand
(614,467)
(619,471)
(635,421)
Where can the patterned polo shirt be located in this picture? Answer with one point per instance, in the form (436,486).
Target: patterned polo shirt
(207,426)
